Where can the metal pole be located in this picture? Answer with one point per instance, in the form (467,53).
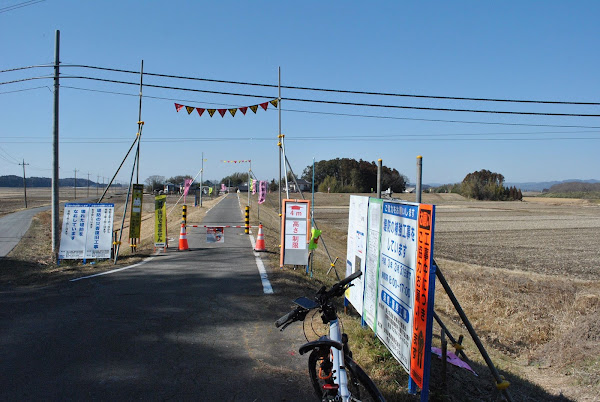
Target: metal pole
(378,178)
(249,171)
(279,138)
(125,211)
(419,180)
(55,176)
(140,124)
(24,182)
(201,181)
(501,383)
(88,186)
(117,172)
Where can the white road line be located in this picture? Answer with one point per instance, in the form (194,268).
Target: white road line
(267,289)
(113,271)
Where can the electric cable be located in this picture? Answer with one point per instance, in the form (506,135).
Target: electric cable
(338,114)
(339,90)
(340,102)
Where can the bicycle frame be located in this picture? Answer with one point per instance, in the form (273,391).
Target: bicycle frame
(341,379)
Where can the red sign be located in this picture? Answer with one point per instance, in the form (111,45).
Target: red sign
(422,294)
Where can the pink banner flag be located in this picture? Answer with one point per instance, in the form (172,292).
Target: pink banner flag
(262,191)
(253,187)
(223,188)
(186,189)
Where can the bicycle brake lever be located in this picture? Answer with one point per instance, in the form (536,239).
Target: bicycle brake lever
(284,326)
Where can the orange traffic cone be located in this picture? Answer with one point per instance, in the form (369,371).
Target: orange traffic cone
(260,240)
(183,244)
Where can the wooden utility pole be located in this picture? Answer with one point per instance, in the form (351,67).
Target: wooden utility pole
(24,181)
(55,177)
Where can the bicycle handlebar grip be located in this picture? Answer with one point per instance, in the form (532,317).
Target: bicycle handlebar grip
(287,317)
(349,279)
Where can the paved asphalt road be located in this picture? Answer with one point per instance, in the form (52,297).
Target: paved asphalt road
(14,226)
(190,325)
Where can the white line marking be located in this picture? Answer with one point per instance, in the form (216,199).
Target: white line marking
(267,289)
(113,271)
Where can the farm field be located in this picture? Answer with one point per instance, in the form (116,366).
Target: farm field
(526,273)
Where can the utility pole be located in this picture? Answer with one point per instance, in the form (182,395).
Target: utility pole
(75,197)
(55,176)
(97,183)
(88,185)
(24,181)
(201,181)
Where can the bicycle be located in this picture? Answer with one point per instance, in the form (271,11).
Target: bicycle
(333,373)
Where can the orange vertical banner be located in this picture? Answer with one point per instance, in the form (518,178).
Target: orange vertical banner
(423,303)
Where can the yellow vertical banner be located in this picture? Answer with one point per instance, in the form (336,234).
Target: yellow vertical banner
(135,218)
(160,221)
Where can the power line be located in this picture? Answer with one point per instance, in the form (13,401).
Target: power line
(341,90)
(339,114)
(341,103)
(23,90)
(19,5)
(25,79)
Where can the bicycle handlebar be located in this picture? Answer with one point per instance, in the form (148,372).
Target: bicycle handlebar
(291,315)
(299,313)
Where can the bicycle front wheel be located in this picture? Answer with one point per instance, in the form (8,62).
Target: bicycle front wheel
(361,387)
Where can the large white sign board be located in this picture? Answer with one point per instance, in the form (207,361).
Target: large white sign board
(356,251)
(86,231)
(371,273)
(397,265)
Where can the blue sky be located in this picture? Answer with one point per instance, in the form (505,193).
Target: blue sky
(542,50)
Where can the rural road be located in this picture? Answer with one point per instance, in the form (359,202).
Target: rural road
(189,325)
(14,226)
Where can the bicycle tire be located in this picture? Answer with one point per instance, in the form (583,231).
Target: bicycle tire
(361,387)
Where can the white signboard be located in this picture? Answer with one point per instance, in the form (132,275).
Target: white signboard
(356,252)
(86,231)
(397,265)
(295,233)
(372,263)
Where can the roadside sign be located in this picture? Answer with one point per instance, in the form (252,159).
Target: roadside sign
(160,221)
(86,231)
(135,218)
(295,231)
(215,234)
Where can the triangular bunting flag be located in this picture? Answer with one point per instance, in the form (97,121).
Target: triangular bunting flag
(274,102)
(189,109)
(178,107)
(244,109)
(264,105)
(200,111)
(222,112)
(232,111)
(254,108)
(211,112)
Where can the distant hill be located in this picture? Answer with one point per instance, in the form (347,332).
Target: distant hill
(545,185)
(16,181)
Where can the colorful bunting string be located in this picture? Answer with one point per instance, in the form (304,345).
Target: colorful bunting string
(243,109)
(242,161)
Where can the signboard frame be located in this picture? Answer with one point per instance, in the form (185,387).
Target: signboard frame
(294,246)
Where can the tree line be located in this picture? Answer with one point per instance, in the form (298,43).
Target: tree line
(345,175)
(483,185)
